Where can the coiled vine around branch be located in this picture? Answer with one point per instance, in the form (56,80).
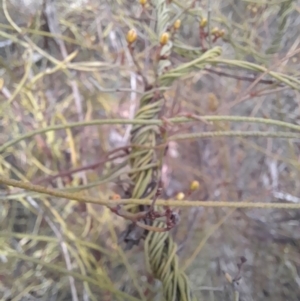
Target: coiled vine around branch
(160,249)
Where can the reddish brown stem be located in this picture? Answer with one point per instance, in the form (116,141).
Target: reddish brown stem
(83,168)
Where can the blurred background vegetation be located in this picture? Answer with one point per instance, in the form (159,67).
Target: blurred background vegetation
(68,61)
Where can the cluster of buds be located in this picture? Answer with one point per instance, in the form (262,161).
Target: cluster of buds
(164,38)
(195,185)
(215,32)
(170,32)
(218,33)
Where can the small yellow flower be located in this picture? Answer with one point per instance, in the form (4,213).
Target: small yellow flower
(180,196)
(131,36)
(164,38)
(215,31)
(143,2)
(203,22)
(194,185)
(177,24)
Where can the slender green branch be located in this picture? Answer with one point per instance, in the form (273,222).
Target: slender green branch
(235,134)
(291,81)
(87,199)
(146,122)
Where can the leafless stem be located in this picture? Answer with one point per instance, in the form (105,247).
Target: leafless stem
(209,21)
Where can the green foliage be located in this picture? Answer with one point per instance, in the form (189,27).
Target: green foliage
(85,117)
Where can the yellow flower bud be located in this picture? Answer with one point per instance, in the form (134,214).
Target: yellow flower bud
(221,33)
(203,22)
(143,2)
(254,10)
(215,31)
(131,36)
(180,196)
(164,38)
(177,24)
(194,185)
